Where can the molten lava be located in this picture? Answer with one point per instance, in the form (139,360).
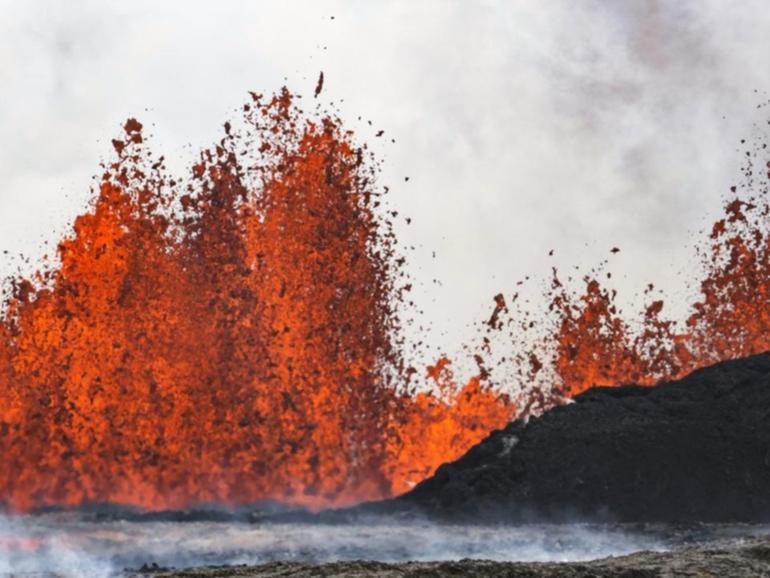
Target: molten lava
(231,338)
(234,336)
(593,344)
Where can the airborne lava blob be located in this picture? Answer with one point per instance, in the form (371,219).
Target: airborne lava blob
(593,344)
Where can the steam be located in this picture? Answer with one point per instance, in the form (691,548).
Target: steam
(75,545)
(71,545)
(529,124)
(28,546)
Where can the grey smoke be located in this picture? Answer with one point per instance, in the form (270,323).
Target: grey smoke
(70,546)
(29,548)
(523,126)
(73,545)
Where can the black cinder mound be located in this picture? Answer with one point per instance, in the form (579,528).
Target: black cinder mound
(697,449)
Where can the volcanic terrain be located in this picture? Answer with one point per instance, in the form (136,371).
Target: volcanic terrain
(751,559)
(692,450)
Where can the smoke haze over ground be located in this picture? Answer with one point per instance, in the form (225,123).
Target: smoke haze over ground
(72,545)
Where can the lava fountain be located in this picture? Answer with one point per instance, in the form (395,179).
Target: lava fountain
(234,336)
(231,337)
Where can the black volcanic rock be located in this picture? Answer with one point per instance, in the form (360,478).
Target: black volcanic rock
(697,449)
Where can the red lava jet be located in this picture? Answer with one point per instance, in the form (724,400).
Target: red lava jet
(234,336)
(229,338)
(594,345)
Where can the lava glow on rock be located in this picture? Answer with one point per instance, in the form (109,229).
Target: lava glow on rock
(234,336)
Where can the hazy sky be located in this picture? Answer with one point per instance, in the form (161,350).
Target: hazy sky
(523,126)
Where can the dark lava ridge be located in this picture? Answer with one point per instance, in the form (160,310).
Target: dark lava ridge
(692,450)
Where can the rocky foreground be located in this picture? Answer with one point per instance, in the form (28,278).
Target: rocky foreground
(693,450)
(749,559)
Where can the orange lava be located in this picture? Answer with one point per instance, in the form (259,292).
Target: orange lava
(229,338)
(593,344)
(234,336)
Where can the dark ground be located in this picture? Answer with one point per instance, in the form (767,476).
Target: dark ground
(697,449)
